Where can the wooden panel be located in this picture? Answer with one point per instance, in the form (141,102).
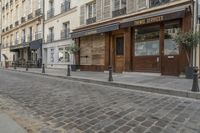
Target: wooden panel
(171,66)
(92,50)
(107,50)
(91,68)
(147,64)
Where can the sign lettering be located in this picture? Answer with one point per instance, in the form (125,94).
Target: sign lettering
(149,20)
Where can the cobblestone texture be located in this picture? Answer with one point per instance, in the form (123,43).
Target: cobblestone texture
(88,108)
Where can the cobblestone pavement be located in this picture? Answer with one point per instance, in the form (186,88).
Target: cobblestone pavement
(90,108)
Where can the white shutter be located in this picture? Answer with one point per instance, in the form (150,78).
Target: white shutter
(107,9)
(142,4)
(82,14)
(131,6)
(99,9)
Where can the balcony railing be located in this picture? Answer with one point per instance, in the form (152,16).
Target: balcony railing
(16,23)
(153,3)
(38,35)
(3,30)
(50,38)
(38,12)
(119,12)
(91,20)
(16,42)
(30,16)
(7,28)
(23,19)
(23,40)
(65,6)
(11,26)
(7,5)
(50,13)
(65,34)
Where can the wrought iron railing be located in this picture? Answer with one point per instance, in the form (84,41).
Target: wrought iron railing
(50,13)
(65,6)
(91,20)
(119,12)
(65,34)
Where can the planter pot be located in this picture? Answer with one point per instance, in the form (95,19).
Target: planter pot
(74,67)
(189,72)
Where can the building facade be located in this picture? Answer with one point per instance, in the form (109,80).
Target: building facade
(22,31)
(61,17)
(133,35)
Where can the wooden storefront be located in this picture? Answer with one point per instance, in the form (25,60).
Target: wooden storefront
(137,44)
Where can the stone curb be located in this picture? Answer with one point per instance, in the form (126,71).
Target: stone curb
(158,90)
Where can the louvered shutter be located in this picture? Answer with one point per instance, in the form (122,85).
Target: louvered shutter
(107,9)
(82,15)
(131,6)
(99,9)
(141,4)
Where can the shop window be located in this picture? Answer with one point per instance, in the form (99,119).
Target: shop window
(147,41)
(120,46)
(154,3)
(52,55)
(170,46)
(63,55)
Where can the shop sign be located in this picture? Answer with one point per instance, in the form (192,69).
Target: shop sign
(149,20)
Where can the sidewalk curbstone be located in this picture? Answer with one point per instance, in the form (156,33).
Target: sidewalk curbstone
(145,88)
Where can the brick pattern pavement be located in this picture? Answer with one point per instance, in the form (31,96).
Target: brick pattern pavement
(100,109)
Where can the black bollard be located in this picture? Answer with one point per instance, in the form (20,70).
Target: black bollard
(15,65)
(110,78)
(43,68)
(68,70)
(27,66)
(195,86)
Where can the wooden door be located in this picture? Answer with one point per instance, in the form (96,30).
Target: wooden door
(170,50)
(119,54)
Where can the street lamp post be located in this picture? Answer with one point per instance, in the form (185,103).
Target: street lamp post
(43,68)
(27,66)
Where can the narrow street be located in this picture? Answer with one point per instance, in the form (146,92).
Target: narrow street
(45,104)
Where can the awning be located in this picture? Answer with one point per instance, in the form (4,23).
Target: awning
(15,48)
(34,45)
(99,29)
(156,16)
(5,57)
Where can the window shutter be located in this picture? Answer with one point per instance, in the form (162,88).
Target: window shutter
(82,15)
(99,9)
(131,6)
(141,4)
(107,9)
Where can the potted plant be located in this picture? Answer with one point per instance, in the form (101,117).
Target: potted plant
(188,41)
(73,49)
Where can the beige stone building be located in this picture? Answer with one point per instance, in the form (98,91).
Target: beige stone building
(61,17)
(22,31)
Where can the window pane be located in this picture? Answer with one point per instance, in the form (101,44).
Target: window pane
(147,41)
(170,47)
(120,46)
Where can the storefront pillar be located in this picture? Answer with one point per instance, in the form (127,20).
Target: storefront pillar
(107,50)
(128,49)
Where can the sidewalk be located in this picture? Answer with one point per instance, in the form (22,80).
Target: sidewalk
(169,85)
(7,125)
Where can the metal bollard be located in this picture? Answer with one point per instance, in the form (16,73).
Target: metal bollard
(110,78)
(27,66)
(195,86)
(15,65)
(43,68)
(68,70)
